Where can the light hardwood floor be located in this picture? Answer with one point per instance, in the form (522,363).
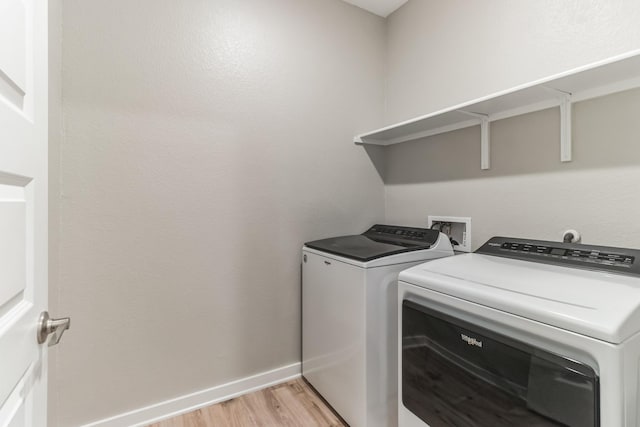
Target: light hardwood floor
(291,404)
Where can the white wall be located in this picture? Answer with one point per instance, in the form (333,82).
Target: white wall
(442,53)
(204,143)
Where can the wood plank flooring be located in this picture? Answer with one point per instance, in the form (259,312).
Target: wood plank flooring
(291,404)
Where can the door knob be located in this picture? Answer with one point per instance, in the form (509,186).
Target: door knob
(48,326)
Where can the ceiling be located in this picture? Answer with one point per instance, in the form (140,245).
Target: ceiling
(380,7)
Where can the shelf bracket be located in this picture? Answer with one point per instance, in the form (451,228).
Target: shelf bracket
(485,138)
(565,129)
(485,146)
(565,124)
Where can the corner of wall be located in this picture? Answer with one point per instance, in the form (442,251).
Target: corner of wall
(55,140)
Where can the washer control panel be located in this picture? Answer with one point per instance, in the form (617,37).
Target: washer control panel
(396,232)
(618,260)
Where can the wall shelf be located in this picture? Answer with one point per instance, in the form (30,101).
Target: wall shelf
(561,90)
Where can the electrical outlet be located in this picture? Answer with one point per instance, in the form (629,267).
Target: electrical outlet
(457,228)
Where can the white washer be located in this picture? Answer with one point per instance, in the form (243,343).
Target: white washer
(349,315)
(521,332)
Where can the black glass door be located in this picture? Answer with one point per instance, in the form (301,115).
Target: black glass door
(458,374)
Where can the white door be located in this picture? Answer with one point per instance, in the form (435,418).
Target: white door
(23,210)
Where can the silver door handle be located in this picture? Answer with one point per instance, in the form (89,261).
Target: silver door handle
(48,326)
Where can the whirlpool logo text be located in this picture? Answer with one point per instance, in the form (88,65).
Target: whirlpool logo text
(471,341)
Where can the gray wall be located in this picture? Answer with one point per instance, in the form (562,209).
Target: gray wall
(442,53)
(204,143)
(528,192)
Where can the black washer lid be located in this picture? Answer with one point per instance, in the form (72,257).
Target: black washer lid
(377,242)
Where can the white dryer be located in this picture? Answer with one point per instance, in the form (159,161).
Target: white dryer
(349,317)
(521,333)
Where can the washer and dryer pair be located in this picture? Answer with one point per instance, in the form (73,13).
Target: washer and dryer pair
(519,333)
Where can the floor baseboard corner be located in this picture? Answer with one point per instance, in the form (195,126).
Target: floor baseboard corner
(190,402)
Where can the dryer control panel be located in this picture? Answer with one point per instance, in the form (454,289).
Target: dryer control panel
(615,260)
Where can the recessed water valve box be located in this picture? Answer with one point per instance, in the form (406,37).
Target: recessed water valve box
(457,228)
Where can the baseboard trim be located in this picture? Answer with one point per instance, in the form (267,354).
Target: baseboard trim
(191,402)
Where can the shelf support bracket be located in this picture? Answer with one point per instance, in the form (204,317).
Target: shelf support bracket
(565,129)
(485,138)
(566,146)
(485,146)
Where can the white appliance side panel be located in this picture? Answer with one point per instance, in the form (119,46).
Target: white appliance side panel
(382,338)
(631,369)
(605,358)
(334,335)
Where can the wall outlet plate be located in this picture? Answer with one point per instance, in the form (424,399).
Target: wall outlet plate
(458,228)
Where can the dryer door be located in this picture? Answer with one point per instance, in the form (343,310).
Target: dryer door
(458,374)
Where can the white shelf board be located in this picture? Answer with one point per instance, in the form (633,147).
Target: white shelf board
(601,78)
